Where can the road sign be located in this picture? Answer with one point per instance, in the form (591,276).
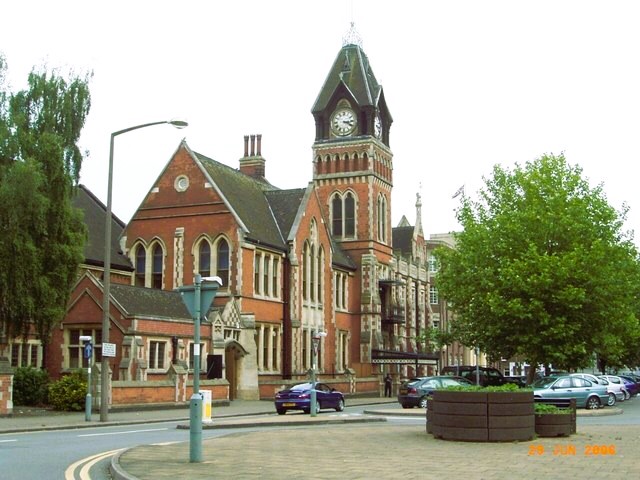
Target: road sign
(108,349)
(88,349)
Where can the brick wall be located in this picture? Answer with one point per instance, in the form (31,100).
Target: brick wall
(164,391)
(6,387)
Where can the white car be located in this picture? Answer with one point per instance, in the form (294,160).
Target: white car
(618,384)
(615,393)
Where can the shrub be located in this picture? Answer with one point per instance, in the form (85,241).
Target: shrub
(69,393)
(507,387)
(30,386)
(547,408)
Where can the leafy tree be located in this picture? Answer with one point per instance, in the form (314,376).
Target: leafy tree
(43,236)
(435,339)
(542,268)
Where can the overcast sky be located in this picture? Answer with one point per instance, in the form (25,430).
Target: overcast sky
(469,84)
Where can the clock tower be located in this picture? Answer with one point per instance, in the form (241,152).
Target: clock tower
(352,175)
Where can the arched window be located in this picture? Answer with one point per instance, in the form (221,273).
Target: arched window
(223,262)
(343,215)
(157,266)
(320,273)
(305,270)
(141,265)
(204,259)
(349,215)
(382,218)
(336,215)
(312,273)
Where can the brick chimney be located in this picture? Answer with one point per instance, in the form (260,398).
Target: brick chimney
(253,162)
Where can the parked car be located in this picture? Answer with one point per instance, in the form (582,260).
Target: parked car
(633,387)
(488,375)
(587,394)
(298,397)
(615,394)
(617,382)
(414,392)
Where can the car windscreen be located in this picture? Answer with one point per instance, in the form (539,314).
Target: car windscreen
(301,386)
(543,382)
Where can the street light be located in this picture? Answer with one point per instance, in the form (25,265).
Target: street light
(315,338)
(104,374)
(197,298)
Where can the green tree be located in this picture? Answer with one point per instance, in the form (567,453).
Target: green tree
(542,268)
(43,236)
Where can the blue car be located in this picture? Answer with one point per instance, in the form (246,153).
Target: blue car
(298,397)
(587,394)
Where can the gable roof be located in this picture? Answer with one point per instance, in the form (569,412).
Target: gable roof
(247,197)
(402,238)
(284,205)
(351,68)
(94,217)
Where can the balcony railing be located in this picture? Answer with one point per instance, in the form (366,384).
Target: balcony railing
(393,314)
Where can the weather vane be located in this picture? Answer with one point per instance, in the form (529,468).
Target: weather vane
(352,37)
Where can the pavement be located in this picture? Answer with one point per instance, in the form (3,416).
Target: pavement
(354,447)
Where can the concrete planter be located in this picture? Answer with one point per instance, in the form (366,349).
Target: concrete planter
(482,416)
(554,424)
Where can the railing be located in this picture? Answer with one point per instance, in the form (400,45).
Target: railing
(393,314)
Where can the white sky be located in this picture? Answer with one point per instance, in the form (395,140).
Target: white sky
(469,83)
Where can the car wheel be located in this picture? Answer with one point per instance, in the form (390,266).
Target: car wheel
(626,394)
(281,411)
(317,407)
(423,402)
(340,406)
(612,399)
(593,403)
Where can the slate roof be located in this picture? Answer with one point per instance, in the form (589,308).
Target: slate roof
(352,68)
(247,198)
(285,205)
(149,302)
(402,238)
(266,211)
(94,215)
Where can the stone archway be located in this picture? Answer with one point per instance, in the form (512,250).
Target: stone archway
(233,355)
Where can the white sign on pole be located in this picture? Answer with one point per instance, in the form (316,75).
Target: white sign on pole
(108,349)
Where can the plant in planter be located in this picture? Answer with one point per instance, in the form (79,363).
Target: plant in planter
(485,414)
(551,421)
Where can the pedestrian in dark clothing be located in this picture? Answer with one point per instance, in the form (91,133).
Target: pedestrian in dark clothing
(387,385)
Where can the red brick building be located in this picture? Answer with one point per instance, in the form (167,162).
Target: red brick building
(321,258)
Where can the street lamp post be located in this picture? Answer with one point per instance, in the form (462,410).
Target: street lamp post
(197,298)
(315,338)
(104,374)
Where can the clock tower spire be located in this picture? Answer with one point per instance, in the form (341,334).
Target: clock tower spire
(352,174)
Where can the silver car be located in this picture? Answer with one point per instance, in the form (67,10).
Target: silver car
(587,394)
(617,383)
(615,394)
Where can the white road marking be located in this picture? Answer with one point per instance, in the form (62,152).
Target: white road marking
(125,432)
(6,441)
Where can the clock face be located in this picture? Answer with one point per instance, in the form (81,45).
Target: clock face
(343,122)
(377,127)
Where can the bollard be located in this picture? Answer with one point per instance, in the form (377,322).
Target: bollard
(195,428)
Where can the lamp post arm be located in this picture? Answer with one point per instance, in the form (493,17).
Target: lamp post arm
(106,282)
(136,127)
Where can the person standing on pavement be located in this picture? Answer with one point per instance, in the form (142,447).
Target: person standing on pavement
(387,385)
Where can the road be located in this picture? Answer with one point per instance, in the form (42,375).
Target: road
(86,453)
